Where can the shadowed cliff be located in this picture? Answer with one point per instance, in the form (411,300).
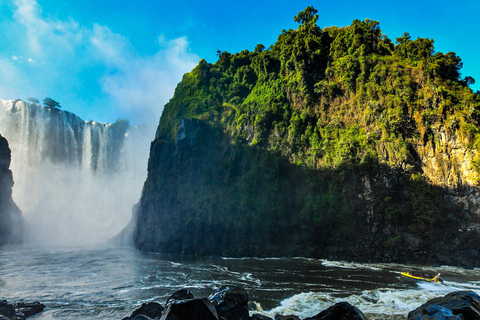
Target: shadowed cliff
(11,221)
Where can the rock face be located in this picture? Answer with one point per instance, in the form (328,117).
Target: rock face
(207,195)
(11,222)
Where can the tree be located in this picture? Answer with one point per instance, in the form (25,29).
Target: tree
(259,48)
(307,16)
(51,103)
(33,100)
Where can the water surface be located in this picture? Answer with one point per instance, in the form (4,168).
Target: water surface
(110,282)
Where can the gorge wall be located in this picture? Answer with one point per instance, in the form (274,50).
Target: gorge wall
(331,143)
(75,181)
(11,221)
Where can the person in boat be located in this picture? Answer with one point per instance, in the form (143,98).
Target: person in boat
(438,279)
(429,276)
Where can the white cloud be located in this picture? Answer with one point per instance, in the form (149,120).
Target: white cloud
(146,83)
(68,51)
(46,36)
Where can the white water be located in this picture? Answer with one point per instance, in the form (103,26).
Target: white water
(110,282)
(75,181)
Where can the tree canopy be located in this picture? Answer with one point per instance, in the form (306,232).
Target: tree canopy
(51,103)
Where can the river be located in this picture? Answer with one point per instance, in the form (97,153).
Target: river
(110,282)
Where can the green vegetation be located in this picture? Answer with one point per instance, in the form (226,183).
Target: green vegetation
(329,98)
(316,115)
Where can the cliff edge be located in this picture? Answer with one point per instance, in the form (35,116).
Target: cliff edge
(11,221)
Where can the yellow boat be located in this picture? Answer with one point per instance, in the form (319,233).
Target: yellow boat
(425,277)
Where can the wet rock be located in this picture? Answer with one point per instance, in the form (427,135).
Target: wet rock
(436,312)
(257,316)
(149,309)
(19,311)
(193,309)
(7,309)
(463,304)
(183,294)
(231,303)
(142,317)
(340,311)
(289,317)
(26,310)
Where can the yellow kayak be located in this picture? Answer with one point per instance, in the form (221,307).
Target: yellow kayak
(425,277)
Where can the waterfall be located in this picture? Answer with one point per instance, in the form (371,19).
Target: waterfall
(76,181)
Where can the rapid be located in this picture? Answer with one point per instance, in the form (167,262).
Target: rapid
(110,282)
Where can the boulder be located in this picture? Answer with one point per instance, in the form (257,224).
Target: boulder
(142,317)
(183,294)
(150,309)
(7,309)
(193,309)
(289,317)
(26,310)
(231,303)
(340,311)
(257,316)
(435,312)
(19,311)
(463,304)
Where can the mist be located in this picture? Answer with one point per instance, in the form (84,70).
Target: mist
(75,181)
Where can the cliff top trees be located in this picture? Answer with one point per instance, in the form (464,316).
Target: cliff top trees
(51,103)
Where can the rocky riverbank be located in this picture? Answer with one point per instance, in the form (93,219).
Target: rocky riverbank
(231,303)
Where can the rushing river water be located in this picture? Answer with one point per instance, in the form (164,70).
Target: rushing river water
(110,282)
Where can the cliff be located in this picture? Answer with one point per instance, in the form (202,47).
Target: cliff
(331,143)
(11,222)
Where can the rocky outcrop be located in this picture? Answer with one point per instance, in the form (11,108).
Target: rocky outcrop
(461,305)
(11,222)
(19,310)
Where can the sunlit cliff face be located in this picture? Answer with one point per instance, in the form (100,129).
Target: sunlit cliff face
(75,181)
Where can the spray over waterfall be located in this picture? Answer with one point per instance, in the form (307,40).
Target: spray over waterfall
(75,181)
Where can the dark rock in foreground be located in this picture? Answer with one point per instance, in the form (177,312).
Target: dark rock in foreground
(340,311)
(149,309)
(183,294)
(463,305)
(193,309)
(20,310)
(231,303)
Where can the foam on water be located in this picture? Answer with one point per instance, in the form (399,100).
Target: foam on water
(373,303)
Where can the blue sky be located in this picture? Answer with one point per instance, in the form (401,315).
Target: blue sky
(107,59)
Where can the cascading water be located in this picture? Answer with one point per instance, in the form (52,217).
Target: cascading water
(75,181)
